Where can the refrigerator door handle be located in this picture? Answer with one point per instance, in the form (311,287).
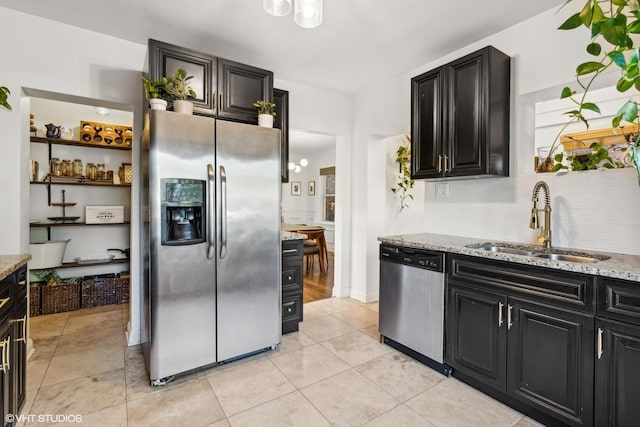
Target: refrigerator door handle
(223,212)
(211,180)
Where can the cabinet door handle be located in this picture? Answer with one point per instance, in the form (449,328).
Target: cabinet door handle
(4,354)
(24,329)
(289,251)
(446,160)
(219,103)
(500,319)
(599,343)
(439,163)
(4,301)
(509,324)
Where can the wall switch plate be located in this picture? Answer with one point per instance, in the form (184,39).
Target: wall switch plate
(442,191)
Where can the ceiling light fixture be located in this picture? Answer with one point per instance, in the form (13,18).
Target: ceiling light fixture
(277,7)
(307,13)
(297,168)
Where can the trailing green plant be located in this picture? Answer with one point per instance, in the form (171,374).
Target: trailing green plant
(405,183)
(4,94)
(596,157)
(613,25)
(177,86)
(153,88)
(265,107)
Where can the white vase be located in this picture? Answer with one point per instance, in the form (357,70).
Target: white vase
(182,106)
(157,104)
(265,120)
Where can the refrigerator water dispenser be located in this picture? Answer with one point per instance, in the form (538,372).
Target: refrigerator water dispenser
(182,211)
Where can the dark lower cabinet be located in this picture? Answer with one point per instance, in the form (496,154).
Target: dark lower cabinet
(477,340)
(292,285)
(617,375)
(509,334)
(13,350)
(19,346)
(617,364)
(550,360)
(5,373)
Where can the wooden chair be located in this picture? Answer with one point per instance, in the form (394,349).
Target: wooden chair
(316,244)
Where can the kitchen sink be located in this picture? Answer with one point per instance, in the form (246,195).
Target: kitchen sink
(540,252)
(506,250)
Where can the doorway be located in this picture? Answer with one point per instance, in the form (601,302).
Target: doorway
(309,198)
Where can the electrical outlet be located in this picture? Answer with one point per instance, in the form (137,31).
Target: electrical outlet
(442,191)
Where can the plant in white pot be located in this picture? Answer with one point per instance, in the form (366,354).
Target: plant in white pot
(266,113)
(153,90)
(177,86)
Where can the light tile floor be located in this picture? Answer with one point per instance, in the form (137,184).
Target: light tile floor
(333,372)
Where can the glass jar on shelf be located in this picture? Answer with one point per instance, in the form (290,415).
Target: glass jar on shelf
(91,171)
(67,167)
(77,167)
(55,167)
(100,171)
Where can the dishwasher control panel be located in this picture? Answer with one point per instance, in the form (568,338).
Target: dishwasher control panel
(421,258)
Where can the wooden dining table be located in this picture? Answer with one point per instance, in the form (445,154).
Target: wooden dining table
(316,233)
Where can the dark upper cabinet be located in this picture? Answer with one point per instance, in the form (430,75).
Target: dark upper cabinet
(460,117)
(165,59)
(239,85)
(281,121)
(224,88)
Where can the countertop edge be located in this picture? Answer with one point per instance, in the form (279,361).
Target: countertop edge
(619,266)
(10,263)
(288,235)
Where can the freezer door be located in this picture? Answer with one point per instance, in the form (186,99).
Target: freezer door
(182,298)
(248,252)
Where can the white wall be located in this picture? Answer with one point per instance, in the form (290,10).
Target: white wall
(591,210)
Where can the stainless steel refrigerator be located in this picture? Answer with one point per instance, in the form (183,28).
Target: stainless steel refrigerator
(211,200)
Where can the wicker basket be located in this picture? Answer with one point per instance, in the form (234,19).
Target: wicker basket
(61,297)
(35,290)
(98,291)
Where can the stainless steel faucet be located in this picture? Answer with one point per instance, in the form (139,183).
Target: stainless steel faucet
(545,232)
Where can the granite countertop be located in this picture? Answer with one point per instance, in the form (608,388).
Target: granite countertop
(10,263)
(288,235)
(619,266)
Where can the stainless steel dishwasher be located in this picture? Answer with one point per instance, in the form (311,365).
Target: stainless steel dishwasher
(411,306)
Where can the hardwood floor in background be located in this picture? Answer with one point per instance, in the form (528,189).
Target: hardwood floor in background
(317,286)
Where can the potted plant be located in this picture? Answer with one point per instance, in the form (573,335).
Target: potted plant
(4,94)
(405,183)
(153,90)
(178,88)
(616,23)
(266,113)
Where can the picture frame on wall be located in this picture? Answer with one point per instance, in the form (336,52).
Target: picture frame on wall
(296,189)
(312,188)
